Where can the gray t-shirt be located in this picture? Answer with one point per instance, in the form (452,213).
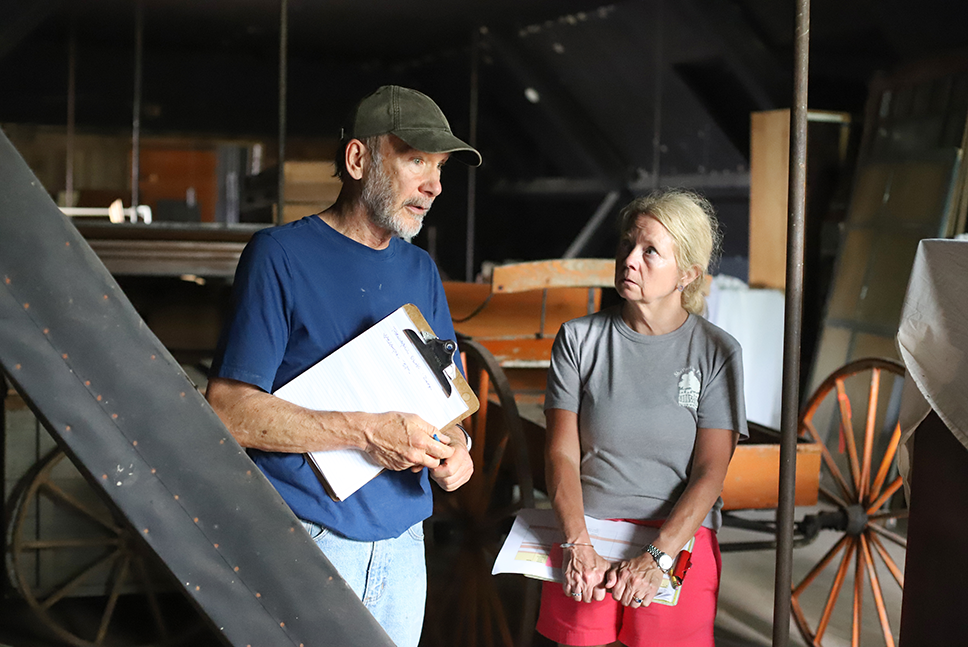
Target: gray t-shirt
(640,400)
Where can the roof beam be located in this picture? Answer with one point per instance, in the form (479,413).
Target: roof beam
(570,119)
(573,187)
(748,57)
(21,19)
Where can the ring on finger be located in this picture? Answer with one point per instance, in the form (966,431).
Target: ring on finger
(637,600)
(576,594)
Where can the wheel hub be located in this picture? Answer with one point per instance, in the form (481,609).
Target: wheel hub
(856,520)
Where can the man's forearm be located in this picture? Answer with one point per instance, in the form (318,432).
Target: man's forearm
(259,420)
(262,421)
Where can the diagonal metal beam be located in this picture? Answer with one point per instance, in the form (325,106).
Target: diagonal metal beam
(131,420)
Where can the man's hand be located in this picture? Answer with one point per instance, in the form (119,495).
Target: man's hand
(458,469)
(400,441)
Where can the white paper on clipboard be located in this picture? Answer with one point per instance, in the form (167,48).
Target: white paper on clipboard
(378,371)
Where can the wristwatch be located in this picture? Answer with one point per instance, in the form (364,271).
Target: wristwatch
(663,560)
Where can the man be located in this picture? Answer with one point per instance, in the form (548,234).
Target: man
(304,289)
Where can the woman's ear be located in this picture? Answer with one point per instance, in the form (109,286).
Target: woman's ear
(690,275)
(356,158)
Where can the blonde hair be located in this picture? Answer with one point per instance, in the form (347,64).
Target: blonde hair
(691,221)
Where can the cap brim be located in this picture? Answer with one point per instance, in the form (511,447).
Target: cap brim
(438,141)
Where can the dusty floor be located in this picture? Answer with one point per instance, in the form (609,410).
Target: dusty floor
(745,610)
(745,616)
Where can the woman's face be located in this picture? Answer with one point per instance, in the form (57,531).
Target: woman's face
(645,264)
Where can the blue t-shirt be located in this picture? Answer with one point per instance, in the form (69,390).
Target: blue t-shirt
(301,291)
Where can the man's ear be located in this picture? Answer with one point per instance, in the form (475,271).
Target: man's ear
(357,157)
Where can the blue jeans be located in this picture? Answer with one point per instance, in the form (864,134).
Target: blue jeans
(389,575)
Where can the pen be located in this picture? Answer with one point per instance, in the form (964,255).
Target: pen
(683,562)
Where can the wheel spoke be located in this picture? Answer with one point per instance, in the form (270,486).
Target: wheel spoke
(122,574)
(847,428)
(821,565)
(858,599)
(480,420)
(54,544)
(153,606)
(74,582)
(887,461)
(831,497)
(887,534)
(58,495)
(835,589)
(888,561)
(493,472)
(473,606)
(493,601)
(878,595)
(828,460)
(889,514)
(865,468)
(885,495)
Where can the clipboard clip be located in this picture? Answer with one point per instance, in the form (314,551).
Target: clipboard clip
(439,355)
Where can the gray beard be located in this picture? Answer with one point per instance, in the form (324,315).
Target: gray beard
(378,197)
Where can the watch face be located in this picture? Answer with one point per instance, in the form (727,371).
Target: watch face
(665,562)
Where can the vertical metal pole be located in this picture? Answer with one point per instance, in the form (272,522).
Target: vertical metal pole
(139,29)
(657,96)
(71,102)
(3,465)
(793,314)
(283,48)
(472,171)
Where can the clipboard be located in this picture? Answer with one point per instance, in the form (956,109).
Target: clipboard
(398,364)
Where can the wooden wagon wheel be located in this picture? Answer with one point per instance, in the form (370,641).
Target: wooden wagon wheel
(466,605)
(862,495)
(89,543)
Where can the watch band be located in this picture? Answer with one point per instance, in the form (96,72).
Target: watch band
(467,436)
(658,556)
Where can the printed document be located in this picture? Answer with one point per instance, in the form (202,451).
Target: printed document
(533,547)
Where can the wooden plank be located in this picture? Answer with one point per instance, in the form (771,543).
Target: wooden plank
(769,166)
(168,257)
(769,184)
(576,272)
(517,315)
(522,353)
(311,183)
(753,478)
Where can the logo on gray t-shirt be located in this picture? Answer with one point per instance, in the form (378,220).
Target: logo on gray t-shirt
(690,383)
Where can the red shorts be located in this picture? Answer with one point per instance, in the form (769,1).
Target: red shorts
(688,624)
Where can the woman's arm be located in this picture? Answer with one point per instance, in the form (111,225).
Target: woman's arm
(583,568)
(640,577)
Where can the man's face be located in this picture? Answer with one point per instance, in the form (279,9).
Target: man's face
(400,185)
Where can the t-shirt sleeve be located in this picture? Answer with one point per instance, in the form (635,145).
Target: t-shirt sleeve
(564,380)
(722,404)
(254,339)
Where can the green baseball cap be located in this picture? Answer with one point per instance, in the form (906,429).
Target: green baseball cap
(413,117)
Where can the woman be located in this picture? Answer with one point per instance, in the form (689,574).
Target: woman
(644,408)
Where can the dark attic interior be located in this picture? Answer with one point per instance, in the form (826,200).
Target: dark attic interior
(169,131)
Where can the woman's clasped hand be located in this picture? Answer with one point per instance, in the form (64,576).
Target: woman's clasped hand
(590,577)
